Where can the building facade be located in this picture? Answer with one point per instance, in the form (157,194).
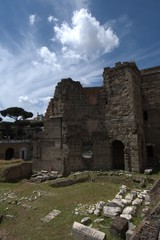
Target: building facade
(18,149)
(116,126)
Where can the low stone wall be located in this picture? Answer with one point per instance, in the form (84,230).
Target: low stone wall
(150,227)
(17,172)
(63,182)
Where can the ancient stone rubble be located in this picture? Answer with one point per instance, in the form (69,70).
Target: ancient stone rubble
(117,209)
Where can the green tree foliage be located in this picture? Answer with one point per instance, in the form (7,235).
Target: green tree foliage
(7,130)
(16,113)
(19,115)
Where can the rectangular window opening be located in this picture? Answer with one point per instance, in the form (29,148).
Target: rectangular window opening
(145,115)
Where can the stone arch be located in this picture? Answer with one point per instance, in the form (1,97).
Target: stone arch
(9,153)
(118,155)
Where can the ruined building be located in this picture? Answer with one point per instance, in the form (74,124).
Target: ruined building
(116,126)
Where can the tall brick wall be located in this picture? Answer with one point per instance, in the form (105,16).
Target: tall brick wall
(151,112)
(83,137)
(102,127)
(124,112)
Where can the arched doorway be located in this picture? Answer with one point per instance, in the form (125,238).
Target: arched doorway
(118,155)
(9,153)
(23,153)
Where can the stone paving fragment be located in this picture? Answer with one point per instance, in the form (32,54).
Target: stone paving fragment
(51,215)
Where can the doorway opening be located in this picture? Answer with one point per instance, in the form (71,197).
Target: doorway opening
(9,153)
(118,155)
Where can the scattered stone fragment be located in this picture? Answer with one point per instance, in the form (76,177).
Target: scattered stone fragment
(111,212)
(86,221)
(148,171)
(129,234)
(80,231)
(144,211)
(137,202)
(118,196)
(129,197)
(99,220)
(129,210)
(126,216)
(124,201)
(26,206)
(10,217)
(119,227)
(97,212)
(100,205)
(116,203)
(131,226)
(51,215)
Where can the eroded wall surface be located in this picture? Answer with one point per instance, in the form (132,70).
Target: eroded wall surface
(108,127)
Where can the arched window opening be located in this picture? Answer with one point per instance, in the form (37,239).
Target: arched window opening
(9,153)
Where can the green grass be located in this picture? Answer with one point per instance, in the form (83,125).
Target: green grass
(27,224)
(8,163)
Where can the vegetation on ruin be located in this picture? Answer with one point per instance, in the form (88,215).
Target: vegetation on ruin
(21,127)
(26,223)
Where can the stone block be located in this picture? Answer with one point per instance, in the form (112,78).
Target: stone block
(111,211)
(117,203)
(129,233)
(82,232)
(119,227)
(129,210)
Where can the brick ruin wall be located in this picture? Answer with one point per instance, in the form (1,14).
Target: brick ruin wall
(151,111)
(75,135)
(124,111)
(85,127)
(15,149)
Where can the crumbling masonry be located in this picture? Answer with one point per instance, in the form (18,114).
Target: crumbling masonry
(116,126)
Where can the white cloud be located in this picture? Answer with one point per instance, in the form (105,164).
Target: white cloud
(86,37)
(32,19)
(52,19)
(25,99)
(48,57)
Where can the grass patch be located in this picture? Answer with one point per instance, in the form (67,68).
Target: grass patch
(8,163)
(27,224)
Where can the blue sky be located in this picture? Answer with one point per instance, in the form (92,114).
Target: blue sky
(43,41)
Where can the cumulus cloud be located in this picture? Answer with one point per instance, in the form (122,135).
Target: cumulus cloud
(86,37)
(30,74)
(32,19)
